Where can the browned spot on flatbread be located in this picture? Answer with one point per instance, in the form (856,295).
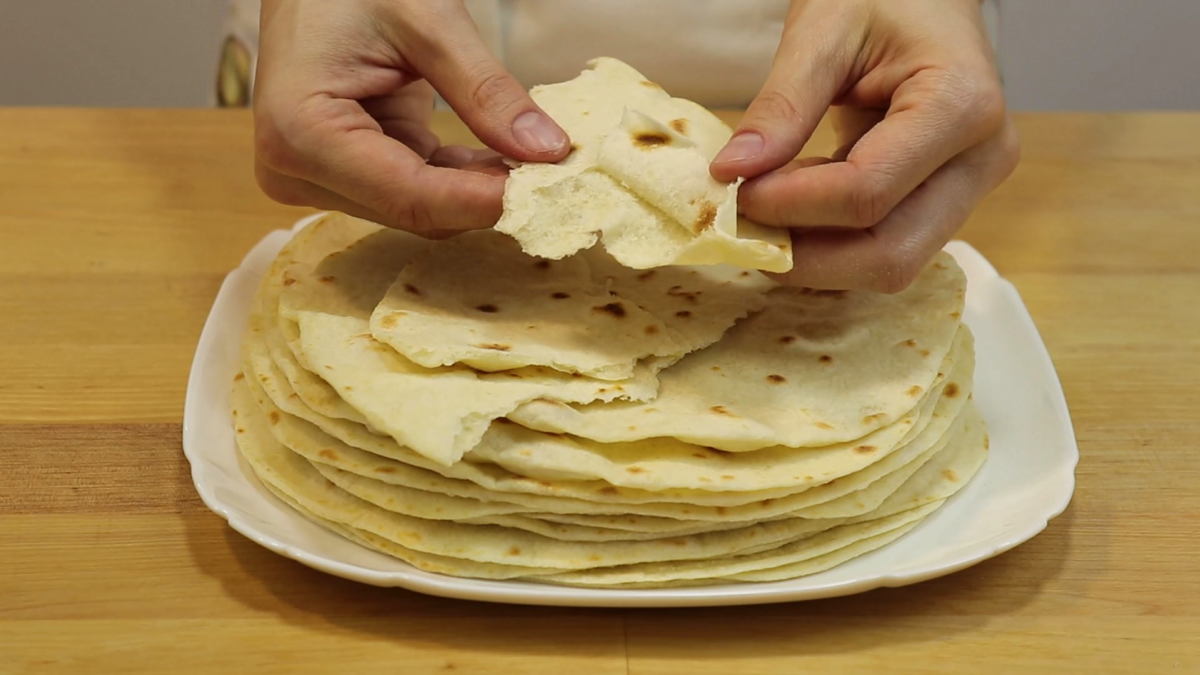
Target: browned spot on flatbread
(915,390)
(871,419)
(721,410)
(677,542)
(925,353)
(822,293)
(951,390)
(411,290)
(515,376)
(707,217)
(650,330)
(385,469)
(683,314)
(987,442)
(787,339)
(949,475)
(721,510)
(704,479)
(715,369)
(646,276)
(347,388)
(239,377)
(939,266)
(909,343)
(610,490)
(699,455)
(559,295)
(488,309)
(390,320)
(678,292)
(274,417)
(494,346)
(824,425)
(525,452)
(515,550)
(241,430)
(648,140)
(288,281)
(328,453)
(327,280)
(956,315)
(614,309)
(594,558)
(776,379)
(680,125)
(865,449)
(766,503)
(652,85)
(825,358)
(726,477)
(635,469)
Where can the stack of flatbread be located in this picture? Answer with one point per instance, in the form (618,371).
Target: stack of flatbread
(596,409)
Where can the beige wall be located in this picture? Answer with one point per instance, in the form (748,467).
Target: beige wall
(1056,54)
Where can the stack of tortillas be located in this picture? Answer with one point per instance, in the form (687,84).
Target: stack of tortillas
(607,397)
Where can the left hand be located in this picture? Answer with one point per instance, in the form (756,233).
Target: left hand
(922,126)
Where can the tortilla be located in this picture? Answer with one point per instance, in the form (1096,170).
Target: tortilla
(637,180)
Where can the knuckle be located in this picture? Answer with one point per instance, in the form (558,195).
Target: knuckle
(275,144)
(775,105)
(491,89)
(895,270)
(278,188)
(980,101)
(1010,148)
(870,203)
(408,214)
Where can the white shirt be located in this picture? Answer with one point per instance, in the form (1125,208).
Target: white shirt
(714,52)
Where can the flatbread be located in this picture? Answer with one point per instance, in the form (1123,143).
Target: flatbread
(813,368)
(637,180)
(440,413)
(505,310)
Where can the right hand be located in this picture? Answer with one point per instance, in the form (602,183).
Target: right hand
(342,105)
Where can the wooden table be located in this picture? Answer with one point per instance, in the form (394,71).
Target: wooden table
(116,229)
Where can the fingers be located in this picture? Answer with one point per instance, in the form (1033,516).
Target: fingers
(343,150)
(812,65)
(931,121)
(890,255)
(453,58)
(405,116)
(469,159)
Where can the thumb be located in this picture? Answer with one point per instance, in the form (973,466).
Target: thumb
(488,99)
(807,74)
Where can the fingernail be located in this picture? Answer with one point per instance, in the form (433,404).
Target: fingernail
(743,146)
(536,133)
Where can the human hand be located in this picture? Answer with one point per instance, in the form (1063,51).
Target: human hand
(921,124)
(342,105)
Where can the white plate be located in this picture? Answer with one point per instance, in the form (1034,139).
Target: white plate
(1027,480)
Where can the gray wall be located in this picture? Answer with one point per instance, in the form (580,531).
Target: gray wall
(1056,54)
(159,53)
(1101,54)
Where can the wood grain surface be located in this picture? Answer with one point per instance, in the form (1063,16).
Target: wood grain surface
(116,228)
